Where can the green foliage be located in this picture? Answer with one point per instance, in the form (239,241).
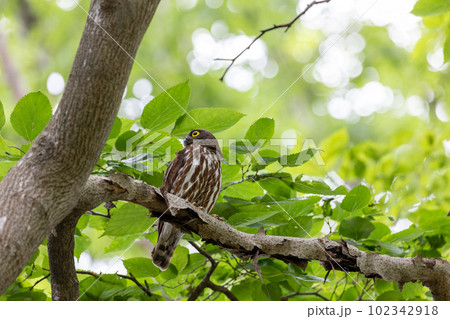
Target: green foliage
(164,109)
(262,129)
(141,267)
(127,220)
(378,170)
(356,228)
(2,115)
(357,198)
(31,115)
(431,7)
(211,119)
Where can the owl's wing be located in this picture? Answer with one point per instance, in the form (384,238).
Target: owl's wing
(172,171)
(168,235)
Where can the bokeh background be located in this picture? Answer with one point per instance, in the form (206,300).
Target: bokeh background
(366,80)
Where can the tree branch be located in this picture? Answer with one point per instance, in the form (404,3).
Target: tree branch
(45,185)
(206,282)
(60,245)
(42,279)
(432,272)
(285,26)
(294,294)
(128,277)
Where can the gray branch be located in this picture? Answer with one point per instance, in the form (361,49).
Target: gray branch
(432,272)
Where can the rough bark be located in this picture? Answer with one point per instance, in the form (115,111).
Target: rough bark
(45,185)
(61,244)
(432,272)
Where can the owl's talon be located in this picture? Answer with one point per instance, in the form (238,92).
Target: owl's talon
(217,217)
(195,204)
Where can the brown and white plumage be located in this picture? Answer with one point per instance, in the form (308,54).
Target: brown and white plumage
(194,175)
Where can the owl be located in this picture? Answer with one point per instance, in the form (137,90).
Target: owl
(194,175)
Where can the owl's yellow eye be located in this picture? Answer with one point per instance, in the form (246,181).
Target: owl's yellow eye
(196,133)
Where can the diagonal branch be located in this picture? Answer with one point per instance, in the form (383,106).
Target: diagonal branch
(285,26)
(432,272)
(128,277)
(206,282)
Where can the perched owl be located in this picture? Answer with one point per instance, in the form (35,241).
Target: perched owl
(194,175)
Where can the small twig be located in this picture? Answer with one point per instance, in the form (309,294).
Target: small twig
(133,279)
(17,148)
(222,289)
(91,212)
(236,182)
(343,290)
(315,293)
(364,289)
(326,276)
(130,277)
(286,26)
(187,277)
(335,287)
(206,282)
(43,278)
(29,275)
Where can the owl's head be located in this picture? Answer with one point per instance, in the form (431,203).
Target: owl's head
(202,137)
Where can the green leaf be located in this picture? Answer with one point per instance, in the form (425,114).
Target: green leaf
(380,231)
(158,144)
(165,108)
(261,129)
(169,273)
(246,190)
(81,244)
(390,296)
(180,258)
(141,267)
(275,186)
(2,115)
(127,220)
(31,115)
(316,187)
(211,119)
(405,235)
(357,198)
(250,218)
(115,130)
(272,291)
(297,159)
(350,294)
(356,228)
(101,288)
(241,147)
(299,227)
(195,260)
(263,158)
(446,48)
(121,142)
(300,207)
(425,8)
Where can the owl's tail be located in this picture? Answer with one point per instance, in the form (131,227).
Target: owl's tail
(168,239)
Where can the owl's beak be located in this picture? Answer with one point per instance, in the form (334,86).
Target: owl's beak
(188,140)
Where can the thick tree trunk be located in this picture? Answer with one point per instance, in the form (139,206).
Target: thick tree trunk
(43,188)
